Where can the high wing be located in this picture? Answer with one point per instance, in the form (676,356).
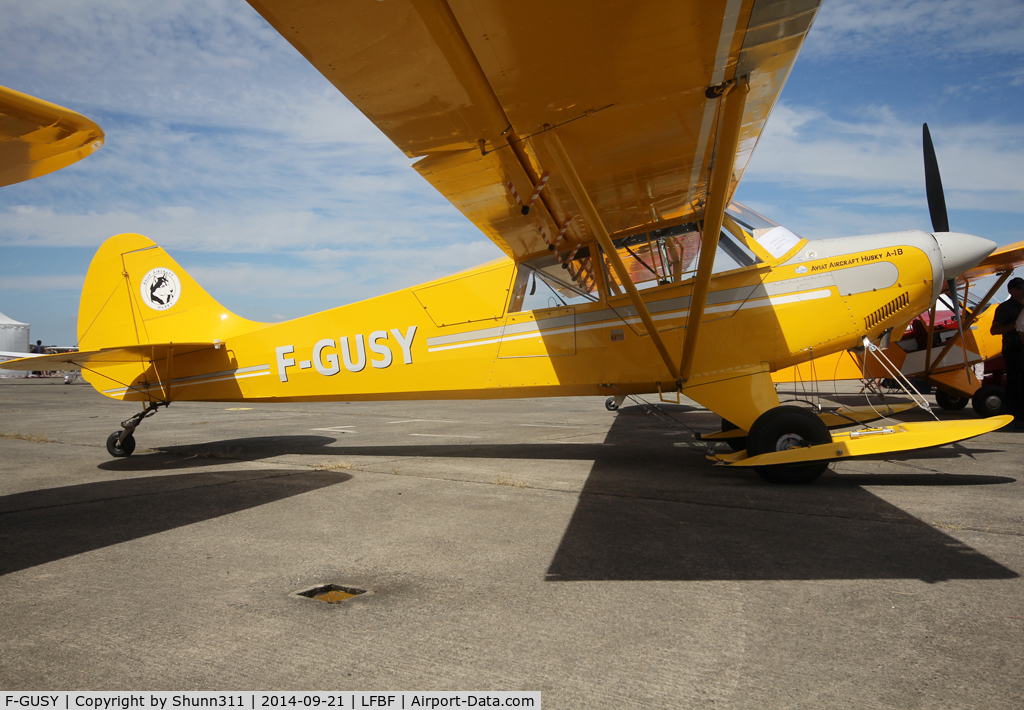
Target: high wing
(37,137)
(473,87)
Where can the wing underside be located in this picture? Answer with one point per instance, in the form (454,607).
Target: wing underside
(472,87)
(37,137)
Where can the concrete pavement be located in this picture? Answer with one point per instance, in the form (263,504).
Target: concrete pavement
(523,545)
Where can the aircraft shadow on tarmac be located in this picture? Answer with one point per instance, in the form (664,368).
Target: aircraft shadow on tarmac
(42,526)
(728,525)
(226,451)
(653,511)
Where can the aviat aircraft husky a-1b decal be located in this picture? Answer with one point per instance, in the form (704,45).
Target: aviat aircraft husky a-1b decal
(598,145)
(940,349)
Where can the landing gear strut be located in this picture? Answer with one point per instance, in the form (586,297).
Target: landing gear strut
(121,443)
(613,403)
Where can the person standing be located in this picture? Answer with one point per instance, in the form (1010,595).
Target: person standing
(37,349)
(1004,323)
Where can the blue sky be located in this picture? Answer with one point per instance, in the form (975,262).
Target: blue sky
(233,153)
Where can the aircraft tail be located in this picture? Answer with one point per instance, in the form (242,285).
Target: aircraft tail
(136,294)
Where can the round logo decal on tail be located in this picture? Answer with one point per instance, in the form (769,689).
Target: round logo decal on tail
(160,289)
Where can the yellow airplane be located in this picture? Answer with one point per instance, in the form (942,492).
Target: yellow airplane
(37,138)
(599,148)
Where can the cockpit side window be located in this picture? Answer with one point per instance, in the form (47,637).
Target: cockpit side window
(554,280)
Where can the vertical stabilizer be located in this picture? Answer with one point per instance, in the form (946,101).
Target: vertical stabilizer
(135,293)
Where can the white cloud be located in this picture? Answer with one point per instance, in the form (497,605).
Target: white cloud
(881,28)
(879,158)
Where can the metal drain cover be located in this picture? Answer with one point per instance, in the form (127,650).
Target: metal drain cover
(331,593)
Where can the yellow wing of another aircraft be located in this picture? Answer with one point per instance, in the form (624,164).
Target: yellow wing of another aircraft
(474,87)
(37,137)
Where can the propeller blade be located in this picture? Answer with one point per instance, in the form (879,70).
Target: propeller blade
(933,186)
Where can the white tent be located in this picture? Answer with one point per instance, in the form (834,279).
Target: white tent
(13,338)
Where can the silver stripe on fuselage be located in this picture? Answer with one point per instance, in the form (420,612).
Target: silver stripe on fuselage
(493,335)
(239,374)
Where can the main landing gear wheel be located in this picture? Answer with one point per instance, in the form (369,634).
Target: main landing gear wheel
(950,401)
(989,401)
(120,449)
(736,443)
(784,428)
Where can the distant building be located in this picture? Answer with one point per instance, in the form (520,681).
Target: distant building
(13,339)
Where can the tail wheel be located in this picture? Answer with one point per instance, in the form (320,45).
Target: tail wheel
(784,428)
(610,404)
(950,401)
(122,449)
(989,401)
(736,443)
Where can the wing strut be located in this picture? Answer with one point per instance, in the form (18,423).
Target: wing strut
(970,317)
(735,98)
(579,193)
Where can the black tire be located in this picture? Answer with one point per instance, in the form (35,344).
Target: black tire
(989,401)
(783,428)
(736,443)
(610,405)
(125,448)
(950,401)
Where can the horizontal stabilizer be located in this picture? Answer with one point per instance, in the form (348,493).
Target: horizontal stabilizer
(106,356)
(872,442)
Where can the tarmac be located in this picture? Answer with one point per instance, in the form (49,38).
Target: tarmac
(542,544)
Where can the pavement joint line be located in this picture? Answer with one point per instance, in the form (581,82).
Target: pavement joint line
(448,436)
(987,531)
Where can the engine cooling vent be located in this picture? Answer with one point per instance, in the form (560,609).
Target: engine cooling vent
(890,308)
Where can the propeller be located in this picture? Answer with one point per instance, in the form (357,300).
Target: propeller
(940,223)
(933,186)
